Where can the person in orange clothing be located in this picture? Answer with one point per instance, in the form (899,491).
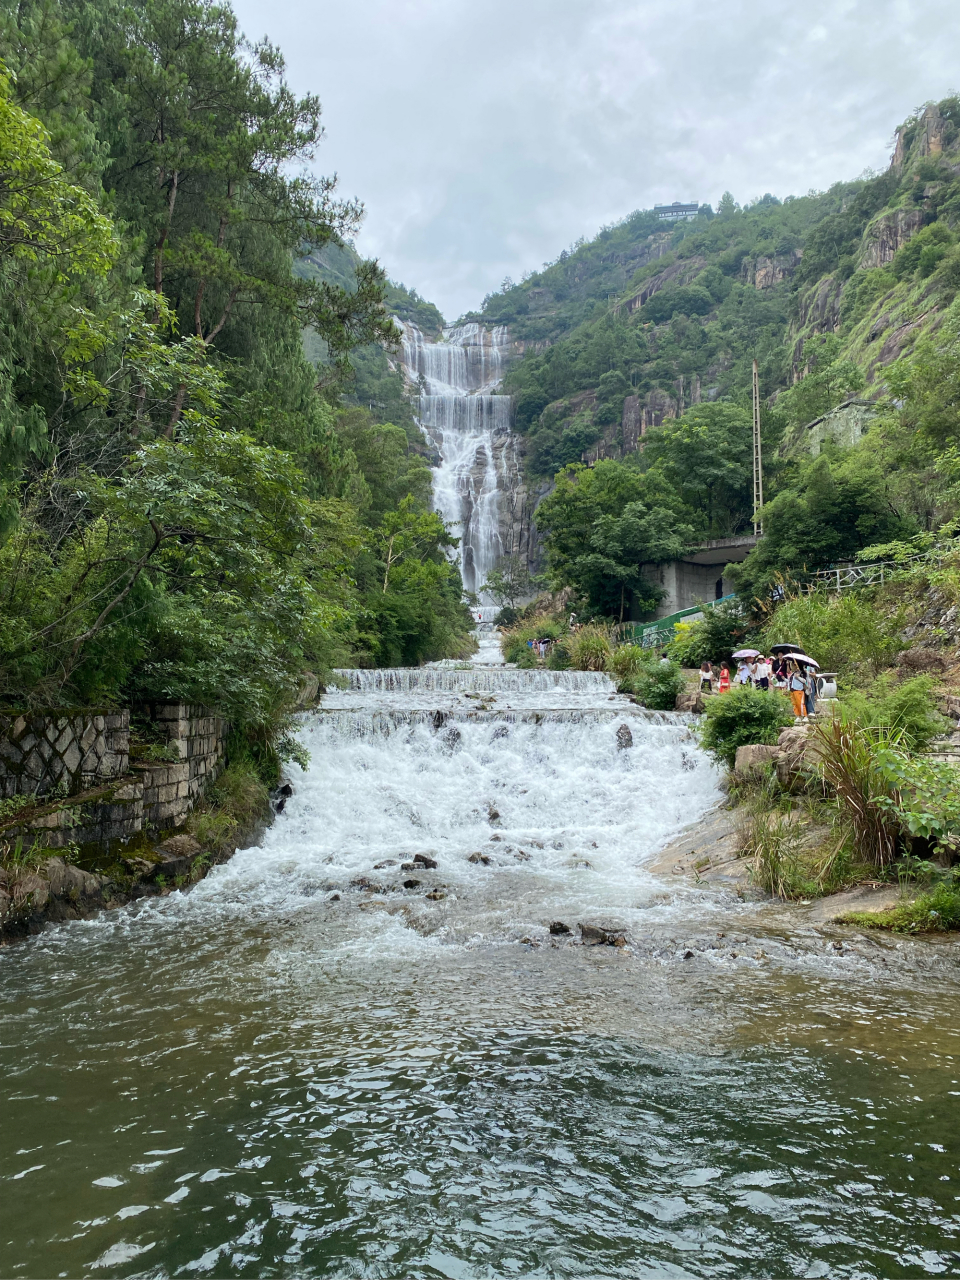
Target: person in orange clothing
(798,687)
(723,684)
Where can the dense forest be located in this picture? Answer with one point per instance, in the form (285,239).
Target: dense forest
(190,507)
(633,391)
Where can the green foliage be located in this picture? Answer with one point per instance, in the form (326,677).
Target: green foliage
(187,509)
(706,457)
(836,505)
(590,649)
(629,660)
(936,911)
(741,717)
(513,641)
(828,382)
(906,708)
(657,686)
(600,525)
(510,582)
(845,632)
(713,638)
(231,808)
(849,760)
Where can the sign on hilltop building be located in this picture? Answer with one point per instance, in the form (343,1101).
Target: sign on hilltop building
(671,212)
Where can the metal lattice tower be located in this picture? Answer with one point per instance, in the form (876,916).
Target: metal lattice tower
(757,458)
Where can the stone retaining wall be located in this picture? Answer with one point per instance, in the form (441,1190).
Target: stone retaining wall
(66,752)
(80,765)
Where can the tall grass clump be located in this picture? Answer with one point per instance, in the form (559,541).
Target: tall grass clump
(232,806)
(629,660)
(590,649)
(844,632)
(849,761)
(907,709)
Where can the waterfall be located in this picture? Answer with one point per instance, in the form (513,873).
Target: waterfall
(477,484)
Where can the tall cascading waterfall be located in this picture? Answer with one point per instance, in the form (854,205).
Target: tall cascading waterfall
(477,485)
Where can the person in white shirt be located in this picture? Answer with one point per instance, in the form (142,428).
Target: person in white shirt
(764,672)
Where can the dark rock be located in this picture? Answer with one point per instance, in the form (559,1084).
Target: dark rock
(411,884)
(688,954)
(436,895)
(280,805)
(452,738)
(559,927)
(421,860)
(388,862)
(494,815)
(439,719)
(480,857)
(285,790)
(334,897)
(593,936)
(624,737)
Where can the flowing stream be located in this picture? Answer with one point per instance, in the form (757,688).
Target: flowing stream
(477,484)
(334,1058)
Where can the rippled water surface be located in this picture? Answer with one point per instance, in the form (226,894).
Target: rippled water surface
(302,1068)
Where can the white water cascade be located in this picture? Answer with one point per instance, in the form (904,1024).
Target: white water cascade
(477,486)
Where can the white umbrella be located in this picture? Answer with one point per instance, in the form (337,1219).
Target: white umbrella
(802,657)
(747,653)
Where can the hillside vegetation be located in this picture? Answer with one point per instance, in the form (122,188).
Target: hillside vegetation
(189,508)
(637,356)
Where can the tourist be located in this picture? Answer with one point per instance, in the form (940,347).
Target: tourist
(752,668)
(706,675)
(723,684)
(743,673)
(764,671)
(779,672)
(798,688)
(810,692)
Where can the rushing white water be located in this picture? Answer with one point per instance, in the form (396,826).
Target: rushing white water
(477,479)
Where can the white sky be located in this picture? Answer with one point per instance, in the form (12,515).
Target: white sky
(483,139)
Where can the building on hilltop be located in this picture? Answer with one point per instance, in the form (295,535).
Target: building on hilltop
(672,212)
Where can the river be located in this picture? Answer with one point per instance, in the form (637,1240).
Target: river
(303,1068)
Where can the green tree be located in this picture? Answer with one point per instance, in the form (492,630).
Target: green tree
(601,525)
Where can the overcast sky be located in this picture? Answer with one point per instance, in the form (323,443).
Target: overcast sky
(485,138)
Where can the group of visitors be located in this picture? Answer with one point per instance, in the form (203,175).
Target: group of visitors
(775,672)
(539,647)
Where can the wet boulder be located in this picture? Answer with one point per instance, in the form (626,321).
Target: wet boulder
(592,935)
(558,927)
(624,738)
(424,860)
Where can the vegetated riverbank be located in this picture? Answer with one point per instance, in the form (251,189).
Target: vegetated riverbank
(40,886)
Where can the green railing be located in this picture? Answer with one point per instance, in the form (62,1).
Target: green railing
(653,634)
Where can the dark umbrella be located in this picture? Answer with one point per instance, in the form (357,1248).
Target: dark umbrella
(784,648)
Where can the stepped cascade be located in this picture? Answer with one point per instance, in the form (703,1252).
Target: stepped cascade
(477,484)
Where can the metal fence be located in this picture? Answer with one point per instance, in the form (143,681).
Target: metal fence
(845,576)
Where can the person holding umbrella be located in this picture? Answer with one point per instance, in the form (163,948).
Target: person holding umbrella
(798,688)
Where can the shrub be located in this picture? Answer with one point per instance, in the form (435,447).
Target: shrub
(590,649)
(630,660)
(844,632)
(657,687)
(235,803)
(849,762)
(513,642)
(907,708)
(715,636)
(743,716)
(558,658)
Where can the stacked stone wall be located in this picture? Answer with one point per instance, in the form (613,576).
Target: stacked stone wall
(67,752)
(78,767)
